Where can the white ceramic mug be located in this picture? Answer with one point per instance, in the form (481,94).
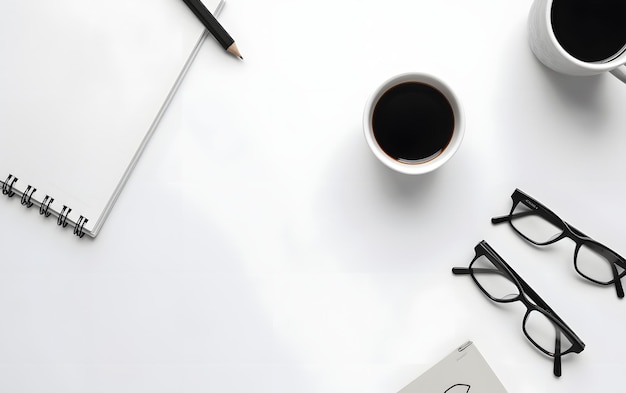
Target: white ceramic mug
(547,49)
(433,162)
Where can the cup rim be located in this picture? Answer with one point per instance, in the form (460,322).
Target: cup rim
(592,66)
(457,135)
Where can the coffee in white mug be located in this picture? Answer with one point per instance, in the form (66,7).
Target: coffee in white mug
(579,37)
(413,123)
(590,30)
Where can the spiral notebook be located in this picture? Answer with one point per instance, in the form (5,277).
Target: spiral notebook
(83,84)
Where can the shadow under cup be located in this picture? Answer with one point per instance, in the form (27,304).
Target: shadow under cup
(413,123)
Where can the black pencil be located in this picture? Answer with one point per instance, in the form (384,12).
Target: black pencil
(213,26)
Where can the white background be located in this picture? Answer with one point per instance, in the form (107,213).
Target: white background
(260,247)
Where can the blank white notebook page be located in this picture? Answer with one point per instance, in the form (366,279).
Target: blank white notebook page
(82,86)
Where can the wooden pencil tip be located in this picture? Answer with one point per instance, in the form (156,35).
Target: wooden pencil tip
(234,50)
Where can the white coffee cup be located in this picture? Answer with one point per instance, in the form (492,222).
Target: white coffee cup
(425,164)
(551,53)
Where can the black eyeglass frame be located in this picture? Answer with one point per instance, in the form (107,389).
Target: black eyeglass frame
(529,298)
(567,231)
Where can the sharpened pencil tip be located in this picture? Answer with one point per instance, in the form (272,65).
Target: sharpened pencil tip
(234,50)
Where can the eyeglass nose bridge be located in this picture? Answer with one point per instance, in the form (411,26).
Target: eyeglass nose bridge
(575,234)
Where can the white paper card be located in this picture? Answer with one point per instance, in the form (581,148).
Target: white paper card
(464,370)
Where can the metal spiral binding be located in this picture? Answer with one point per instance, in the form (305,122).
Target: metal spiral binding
(78,229)
(27,195)
(62,219)
(7,186)
(44,207)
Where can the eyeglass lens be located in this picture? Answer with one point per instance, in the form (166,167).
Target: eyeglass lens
(593,260)
(500,287)
(543,333)
(532,225)
(596,262)
(494,282)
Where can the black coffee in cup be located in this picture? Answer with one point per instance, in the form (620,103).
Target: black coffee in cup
(413,122)
(590,30)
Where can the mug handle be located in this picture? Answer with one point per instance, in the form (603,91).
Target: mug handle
(620,73)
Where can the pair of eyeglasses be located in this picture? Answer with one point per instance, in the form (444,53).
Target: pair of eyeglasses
(541,325)
(540,226)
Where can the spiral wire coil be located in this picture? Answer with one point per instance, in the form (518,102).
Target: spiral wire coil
(44,207)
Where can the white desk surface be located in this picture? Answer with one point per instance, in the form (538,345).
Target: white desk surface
(260,247)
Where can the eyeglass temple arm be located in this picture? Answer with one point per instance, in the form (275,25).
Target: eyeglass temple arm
(548,217)
(509,217)
(461,270)
(557,354)
(617,280)
(466,270)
